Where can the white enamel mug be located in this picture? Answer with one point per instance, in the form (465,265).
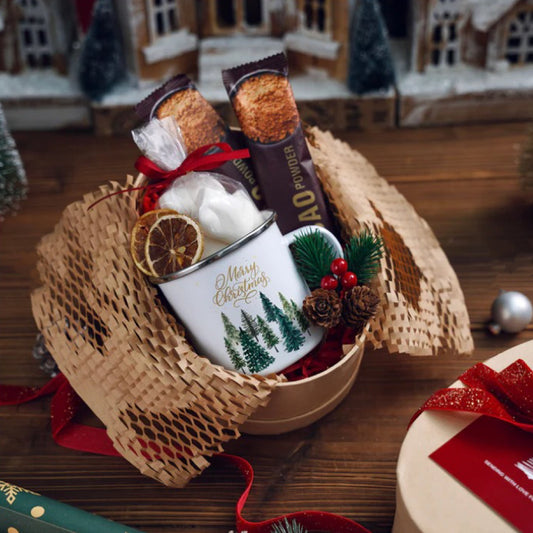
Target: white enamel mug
(242,306)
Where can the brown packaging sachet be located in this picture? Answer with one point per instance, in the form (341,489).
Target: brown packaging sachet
(265,107)
(200,124)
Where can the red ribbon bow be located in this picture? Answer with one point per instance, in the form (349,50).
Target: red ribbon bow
(198,160)
(505,395)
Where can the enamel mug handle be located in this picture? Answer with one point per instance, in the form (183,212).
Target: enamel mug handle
(291,237)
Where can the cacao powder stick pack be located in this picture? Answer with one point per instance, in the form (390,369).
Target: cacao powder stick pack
(200,124)
(265,107)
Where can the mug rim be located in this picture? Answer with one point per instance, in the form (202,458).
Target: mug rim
(221,253)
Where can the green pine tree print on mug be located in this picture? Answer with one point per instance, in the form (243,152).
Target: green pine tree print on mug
(300,318)
(238,362)
(249,324)
(232,333)
(287,308)
(270,338)
(257,357)
(253,344)
(292,336)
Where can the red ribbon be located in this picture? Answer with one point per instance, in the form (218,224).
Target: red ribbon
(505,395)
(198,160)
(66,403)
(312,520)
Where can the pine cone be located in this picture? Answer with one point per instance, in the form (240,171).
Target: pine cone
(323,308)
(359,306)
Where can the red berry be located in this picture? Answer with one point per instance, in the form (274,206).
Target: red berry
(329,283)
(349,280)
(339,266)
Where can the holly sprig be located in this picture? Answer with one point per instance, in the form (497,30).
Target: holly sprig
(316,260)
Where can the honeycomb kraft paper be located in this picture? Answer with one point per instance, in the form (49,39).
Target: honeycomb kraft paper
(422,305)
(166,409)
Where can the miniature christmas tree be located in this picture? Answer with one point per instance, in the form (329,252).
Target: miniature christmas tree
(249,324)
(270,338)
(292,337)
(102,59)
(236,360)
(269,308)
(300,317)
(287,307)
(257,358)
(370,66)
(13,184)
(231,331)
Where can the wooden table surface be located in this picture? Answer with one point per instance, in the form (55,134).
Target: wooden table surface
(462,180)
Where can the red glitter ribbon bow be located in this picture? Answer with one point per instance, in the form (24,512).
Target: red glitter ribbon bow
(505,395)
(198,160)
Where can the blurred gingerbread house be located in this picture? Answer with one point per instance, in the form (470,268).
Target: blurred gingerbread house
(483,33)
(456,60)
(36,34)
(470,61)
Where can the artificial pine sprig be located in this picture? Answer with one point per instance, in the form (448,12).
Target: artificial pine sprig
(363,253)
(313,255)
(288,527)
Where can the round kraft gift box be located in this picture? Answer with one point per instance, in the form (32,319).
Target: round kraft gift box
(429,499)
(297,404)
(294,405)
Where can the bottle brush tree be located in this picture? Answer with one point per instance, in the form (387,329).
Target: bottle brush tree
(13,184)
(102,58)
(370,66)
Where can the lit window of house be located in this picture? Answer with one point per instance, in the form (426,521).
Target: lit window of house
(163,17)
(519,46)
(315,16)
(444,43)
(34,34)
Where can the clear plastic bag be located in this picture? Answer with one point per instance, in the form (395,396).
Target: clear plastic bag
(221,205)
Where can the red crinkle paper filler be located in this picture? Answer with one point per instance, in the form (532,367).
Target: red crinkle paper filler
(324,356)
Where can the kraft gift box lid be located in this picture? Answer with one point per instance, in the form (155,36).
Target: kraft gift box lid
(428,498)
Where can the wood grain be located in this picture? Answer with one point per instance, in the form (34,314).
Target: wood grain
(462,180)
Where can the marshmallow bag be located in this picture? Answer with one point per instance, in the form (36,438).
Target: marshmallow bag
(166,408)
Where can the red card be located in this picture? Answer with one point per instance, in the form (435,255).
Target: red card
(495,461)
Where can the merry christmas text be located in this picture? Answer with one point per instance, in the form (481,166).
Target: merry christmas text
(239,284)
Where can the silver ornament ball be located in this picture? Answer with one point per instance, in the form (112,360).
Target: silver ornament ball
(512,311)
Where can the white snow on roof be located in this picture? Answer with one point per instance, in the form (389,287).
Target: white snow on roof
(171,45)
(486,12)
(126,94)
(314,85)
(219,53)
(464,79)
(38,84)
(299,42)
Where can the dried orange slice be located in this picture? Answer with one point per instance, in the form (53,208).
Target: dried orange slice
(139,234)
(174,242)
